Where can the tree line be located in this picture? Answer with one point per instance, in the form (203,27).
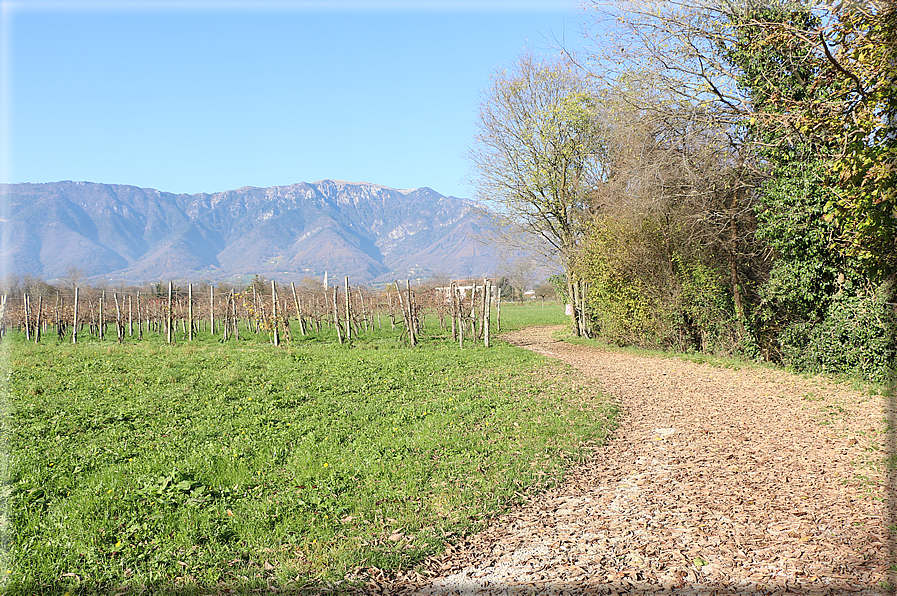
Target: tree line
(711,176)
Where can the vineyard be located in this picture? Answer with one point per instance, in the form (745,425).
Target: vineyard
(177,314)
(222,462)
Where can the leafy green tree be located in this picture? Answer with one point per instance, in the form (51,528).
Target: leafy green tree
(536,154)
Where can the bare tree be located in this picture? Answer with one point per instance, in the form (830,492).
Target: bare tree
(74,277)
(520,273)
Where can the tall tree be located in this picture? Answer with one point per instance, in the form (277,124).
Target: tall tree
(536,156)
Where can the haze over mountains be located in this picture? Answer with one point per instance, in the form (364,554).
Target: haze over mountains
(124,233)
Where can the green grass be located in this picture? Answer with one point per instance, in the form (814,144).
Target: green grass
(241,465)
(516,316)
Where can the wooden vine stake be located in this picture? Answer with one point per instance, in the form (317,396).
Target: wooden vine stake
(168,316)
(348,313)
(454,311)
(460,308)
(412,328)
(75,319)
(298,308)
(212,310)
(37,321)
(101,330)
(190,312)
(339,333)
(498,309)
(2,313)
(139,318)
(274,312)
(487,299)
(119,325)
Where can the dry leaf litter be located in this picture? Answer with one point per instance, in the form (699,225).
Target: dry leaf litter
(717,481)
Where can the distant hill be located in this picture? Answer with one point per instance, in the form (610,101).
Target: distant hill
(124,233)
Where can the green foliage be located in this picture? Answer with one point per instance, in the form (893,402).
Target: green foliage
(559,282)
(644,296)
(804,276)
(240,465)
(856,338)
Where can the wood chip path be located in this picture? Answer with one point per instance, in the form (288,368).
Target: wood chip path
(717,481)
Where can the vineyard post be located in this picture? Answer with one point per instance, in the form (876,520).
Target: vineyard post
(348,312)
(274,312)
(119,325)
(168,315)
(339,334)
(392,317)
(298,308)
(411,318)
(255,305)
(212,309)
(75,319)
(233,297)
(130,318)
(454,313)
(460,308)
(56,310)
(25,313)
(2,314)
(364,315)
(139,319)
(487,299)
(101,330)
(498,309)
(40,304)
(401,304)
(190,311)
(473,311)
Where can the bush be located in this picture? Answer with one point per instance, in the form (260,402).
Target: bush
(857,337)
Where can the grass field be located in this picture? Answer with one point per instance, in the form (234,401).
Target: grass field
(241,465)
(515,315)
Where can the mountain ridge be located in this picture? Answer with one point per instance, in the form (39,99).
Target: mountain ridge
(125,233)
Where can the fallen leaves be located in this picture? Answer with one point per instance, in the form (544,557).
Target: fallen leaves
(718,481)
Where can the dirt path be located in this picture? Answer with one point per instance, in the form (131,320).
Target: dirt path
(717,481)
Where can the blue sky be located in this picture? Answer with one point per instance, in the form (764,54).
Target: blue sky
(200,96)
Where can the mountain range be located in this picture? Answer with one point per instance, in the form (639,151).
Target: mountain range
(128,234)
